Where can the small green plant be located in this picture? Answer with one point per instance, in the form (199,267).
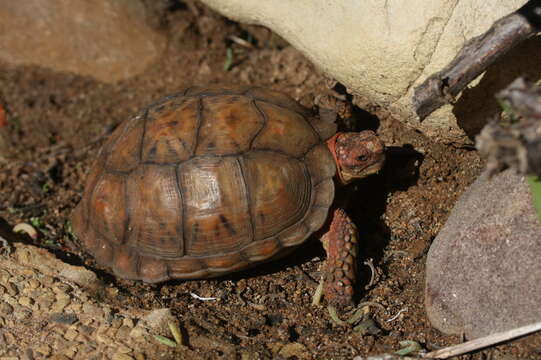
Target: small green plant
(535,187)
(228,59)
(175,331)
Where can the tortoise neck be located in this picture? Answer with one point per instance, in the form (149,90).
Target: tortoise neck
(331,144)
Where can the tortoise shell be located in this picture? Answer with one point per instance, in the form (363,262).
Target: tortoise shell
(207,182)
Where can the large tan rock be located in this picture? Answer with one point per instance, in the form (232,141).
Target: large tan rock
(381,50)
(106,39)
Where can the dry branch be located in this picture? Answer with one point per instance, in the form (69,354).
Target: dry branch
(475,57)
(483,342)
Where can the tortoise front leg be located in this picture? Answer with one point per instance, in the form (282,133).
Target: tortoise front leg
(340,243)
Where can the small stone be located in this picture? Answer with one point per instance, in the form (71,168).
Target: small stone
(85,329)
(92,310)
(2,322)
(138,332)
(64,318)
(45,301)
(26,301)
(59,357)
(123,349)
(12,289)
(102,336)
(111,332)
(81,338)
(60,304)
(2,290)
(33,284)
(295,349)
(43,349)
(121,356)
(139,356)
(62,288)
(128,322)
(76,308)
(116,323)
(71,352)
(5,308)
(158,319)
(71,334)
(123,332)
(22,314)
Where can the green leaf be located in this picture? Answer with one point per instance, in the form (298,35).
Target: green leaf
(535,187)
(165,341)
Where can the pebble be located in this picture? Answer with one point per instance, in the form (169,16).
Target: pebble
(62,288)
(128,322)
(90,309)
(22,314)
(60,304)
(64,318)
(138,332)
(43,349)
(5,308)
(60,357)
(12,289)
(121,356)
(71,334)
(123,349)
(139,356)
(26,301)
(33,284)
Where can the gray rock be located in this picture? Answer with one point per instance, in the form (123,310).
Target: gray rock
(483,269)
(106,39)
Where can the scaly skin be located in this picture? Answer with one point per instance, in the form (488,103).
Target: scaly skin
(340,243)
(357,155)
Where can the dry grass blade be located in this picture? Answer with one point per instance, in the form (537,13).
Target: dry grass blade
(483,342)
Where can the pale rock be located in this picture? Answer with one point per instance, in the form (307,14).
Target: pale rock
(382,50)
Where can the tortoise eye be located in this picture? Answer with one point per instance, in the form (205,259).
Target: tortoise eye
(362,158)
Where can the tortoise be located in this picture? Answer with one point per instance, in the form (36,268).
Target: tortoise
(211,181)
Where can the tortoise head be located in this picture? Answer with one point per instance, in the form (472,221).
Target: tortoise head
(357,154)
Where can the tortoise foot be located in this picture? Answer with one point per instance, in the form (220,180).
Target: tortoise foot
(340,243)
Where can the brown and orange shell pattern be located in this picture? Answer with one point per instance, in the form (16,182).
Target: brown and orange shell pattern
(207,182)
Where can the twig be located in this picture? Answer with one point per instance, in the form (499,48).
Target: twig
(475,57)
(483,342)
(370,264)
(397,315)
(195,296)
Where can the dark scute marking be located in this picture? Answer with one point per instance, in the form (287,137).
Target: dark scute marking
(211,145)
(143,135)
(162,226)
(262,117)
(199,124)
(152,152)
(195,228)
(240,161)
(227,225)
(233,99)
